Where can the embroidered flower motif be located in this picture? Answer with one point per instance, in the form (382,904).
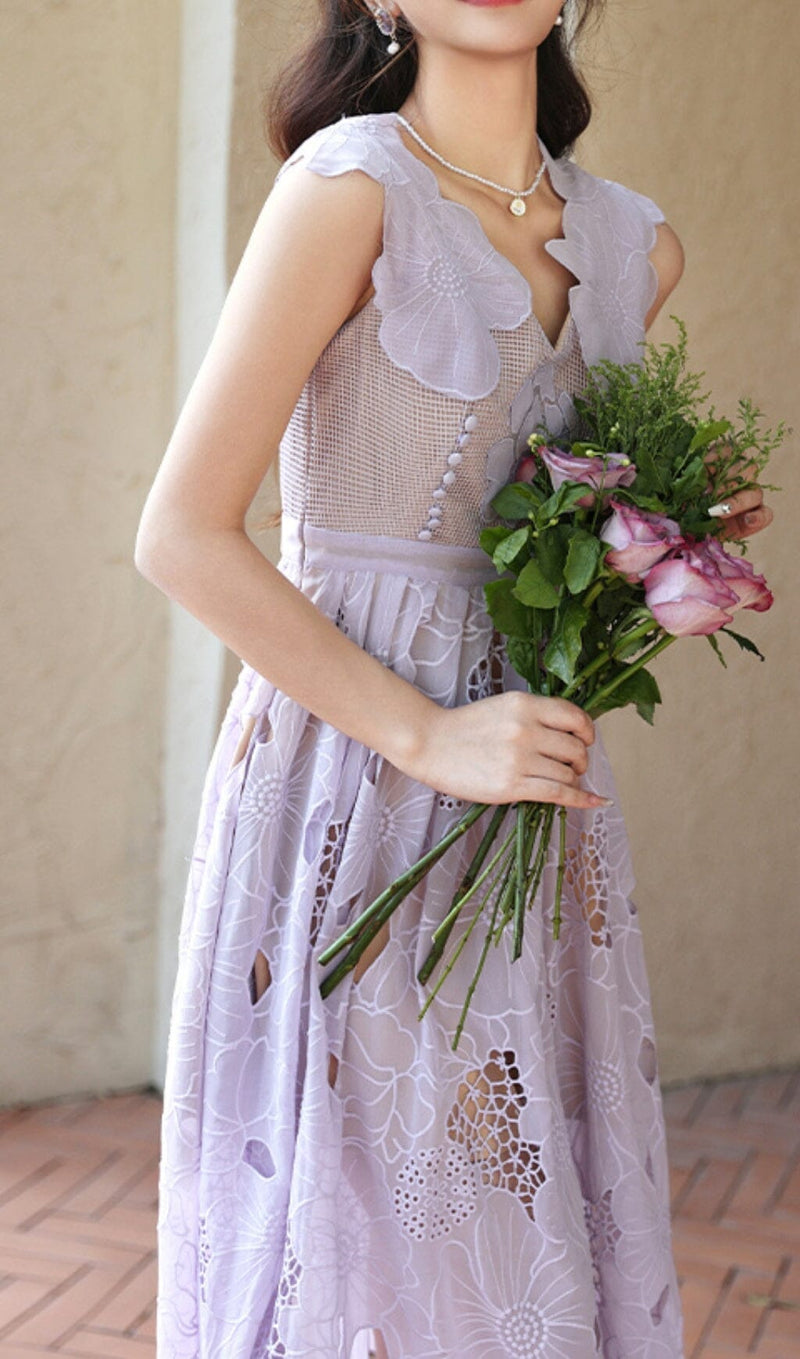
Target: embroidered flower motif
(435,1191)
(441,287)
(246,1225)
(511,1294)
(615,295)
(643,1251)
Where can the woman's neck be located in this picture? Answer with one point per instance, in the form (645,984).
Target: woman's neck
(478,112)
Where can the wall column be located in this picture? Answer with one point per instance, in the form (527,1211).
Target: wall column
(196,660)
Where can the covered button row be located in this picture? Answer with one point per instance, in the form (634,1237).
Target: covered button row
(453,460)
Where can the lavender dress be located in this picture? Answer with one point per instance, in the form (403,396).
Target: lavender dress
(330,1167)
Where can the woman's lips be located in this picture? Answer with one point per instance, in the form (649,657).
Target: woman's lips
(491,2)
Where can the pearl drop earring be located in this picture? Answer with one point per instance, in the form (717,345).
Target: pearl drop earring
(558,21)
(388,26)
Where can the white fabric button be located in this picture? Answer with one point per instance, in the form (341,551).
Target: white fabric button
(448,478)
(454,459)
(424,533)
(438,493)
(435,512)
(471,422)
(463,440)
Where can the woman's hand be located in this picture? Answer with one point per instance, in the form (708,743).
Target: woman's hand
(509,747)
(743,512)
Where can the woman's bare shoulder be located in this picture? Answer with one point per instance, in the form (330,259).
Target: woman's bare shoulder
(668,260)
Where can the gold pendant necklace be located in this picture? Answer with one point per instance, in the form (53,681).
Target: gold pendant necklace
(517,206)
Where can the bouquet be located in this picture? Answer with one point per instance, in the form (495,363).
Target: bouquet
(608,553)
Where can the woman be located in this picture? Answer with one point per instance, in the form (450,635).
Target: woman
(331,1170)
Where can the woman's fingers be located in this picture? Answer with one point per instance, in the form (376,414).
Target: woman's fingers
(743,526)
(564,794)
(562,715)
(737,502)
(743,513)
(568,749)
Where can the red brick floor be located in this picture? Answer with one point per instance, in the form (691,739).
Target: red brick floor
(78,1195)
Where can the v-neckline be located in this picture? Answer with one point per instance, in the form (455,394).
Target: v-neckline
(555,351)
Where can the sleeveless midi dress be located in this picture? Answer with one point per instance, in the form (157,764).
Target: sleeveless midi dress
(331,1167)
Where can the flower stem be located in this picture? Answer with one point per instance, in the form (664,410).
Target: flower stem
(476,975)
(640,661)
(456,955)
(562,861)
(519,880)
(466,883)
(405,883)
(462,898)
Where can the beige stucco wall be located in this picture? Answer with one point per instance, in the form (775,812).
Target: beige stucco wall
(90,104)
(88,172)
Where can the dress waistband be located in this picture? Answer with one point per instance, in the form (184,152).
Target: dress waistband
(309,545)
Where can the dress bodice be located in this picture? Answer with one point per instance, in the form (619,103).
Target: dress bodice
(418,407)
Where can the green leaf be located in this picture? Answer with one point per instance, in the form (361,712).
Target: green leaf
(717,648)
(510,547)
(491,537)
(521,654)
(506,610)
(561,501)
(564,647)
(533,588)
(551,552)
(582,556)
(744,642)
(639,688)
(691,482)
(516,500)
(706,433)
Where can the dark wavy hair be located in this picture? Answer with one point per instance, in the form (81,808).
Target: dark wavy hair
(344,69)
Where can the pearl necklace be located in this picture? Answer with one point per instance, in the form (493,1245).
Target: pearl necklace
(517,205)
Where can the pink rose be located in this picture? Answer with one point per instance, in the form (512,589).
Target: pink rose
(751,589)
(638,539)
(614,469)
(687,595)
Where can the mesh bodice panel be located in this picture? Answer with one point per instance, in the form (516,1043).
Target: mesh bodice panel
(369,449)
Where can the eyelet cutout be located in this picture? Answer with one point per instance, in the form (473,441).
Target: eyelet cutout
(586,875)
(369,1344)
(260,977)
(244,742)
(484,1120)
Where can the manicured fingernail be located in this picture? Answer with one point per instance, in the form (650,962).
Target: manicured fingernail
(723,508)
(751,517)
(603,802)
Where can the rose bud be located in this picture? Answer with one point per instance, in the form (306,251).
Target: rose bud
(612,469)
(686,599)
(751,589)
(527,467)
(638,538)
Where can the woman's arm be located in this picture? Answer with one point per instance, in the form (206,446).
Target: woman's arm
(747,513)
(307,262)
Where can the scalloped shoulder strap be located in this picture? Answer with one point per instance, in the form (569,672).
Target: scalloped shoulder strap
(354,143)
(609,232)
(439,284)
